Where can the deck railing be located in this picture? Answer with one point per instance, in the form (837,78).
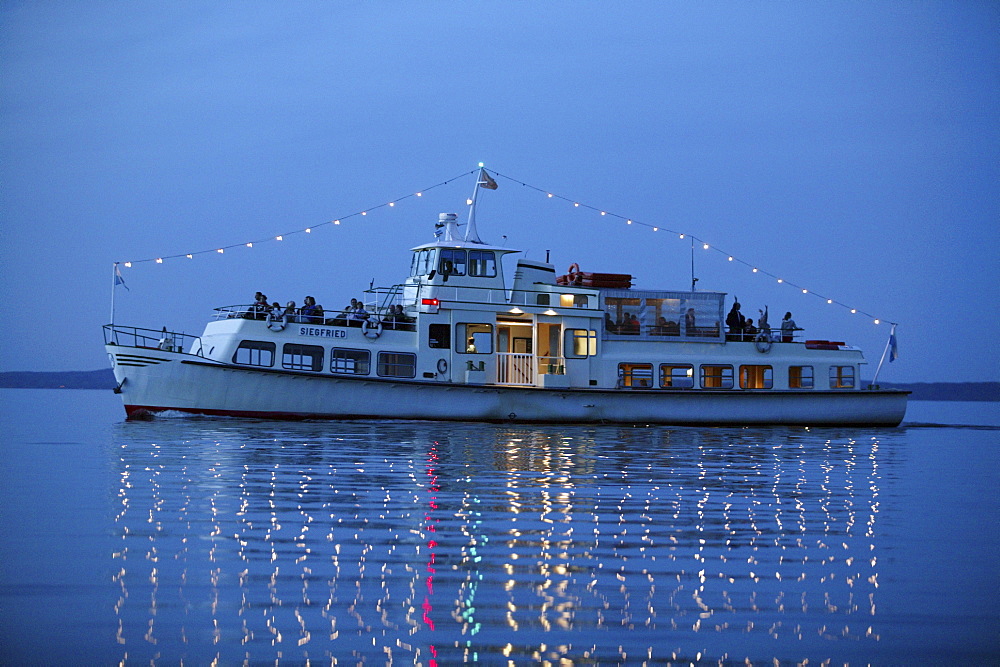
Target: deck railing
(168,341)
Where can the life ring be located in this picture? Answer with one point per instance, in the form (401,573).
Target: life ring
(763,343)
(442,366)
(572,273)
(276,323)
(372,330)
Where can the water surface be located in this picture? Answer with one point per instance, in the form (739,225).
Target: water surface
(421,542)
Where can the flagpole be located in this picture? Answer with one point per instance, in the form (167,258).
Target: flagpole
(470,229)
(114,284)
(884,352)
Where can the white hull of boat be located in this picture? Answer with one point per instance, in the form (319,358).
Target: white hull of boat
(191,384)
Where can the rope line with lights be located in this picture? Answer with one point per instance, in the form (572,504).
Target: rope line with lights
(306,230)
(682,235)
(548,194)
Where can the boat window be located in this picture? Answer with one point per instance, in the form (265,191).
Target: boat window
(482,263)
(841,377)
(636,376)
(574,300)
(542,299)
(717,377)
(623,314)
(800,377)
(254,353)
(756,377)
(397,364)
(298,357)
(452,262)
(474,338)
(353,362)
(581,343)
(676,376)
(439,336)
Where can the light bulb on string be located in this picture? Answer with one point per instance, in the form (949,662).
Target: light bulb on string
(278,238)
(128,265)
(220,251)
(250,245)
(309,230)
(159,260)
(705,246)
(190,256)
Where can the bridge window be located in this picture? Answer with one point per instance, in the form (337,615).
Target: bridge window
(298,357)
(676,376)
(254,353)
(397,364)
(351,362)
(452,262)
(800,377)
(636,376)
(717,377)
(756,377)
(482,263)
(423,262)
(581,343)
(841,377)
(474,338)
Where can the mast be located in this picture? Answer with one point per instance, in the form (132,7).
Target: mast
(482,181)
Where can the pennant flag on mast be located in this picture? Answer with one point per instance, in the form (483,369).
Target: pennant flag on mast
(119,279)
(893,349)
(486,181)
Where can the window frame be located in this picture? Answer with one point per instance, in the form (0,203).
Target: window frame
(766,376)
(723,376)
(799,381)
(482,258)
(383,364)
(689,377)
(289,350)
(457,257)
(334,357)
(462,336)
(260,346)
(838,377)
(627,375)
(577,337)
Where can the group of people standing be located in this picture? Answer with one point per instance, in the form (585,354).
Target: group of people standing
(741,328)
(309,313)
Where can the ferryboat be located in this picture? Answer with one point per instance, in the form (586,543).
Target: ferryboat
(457,340)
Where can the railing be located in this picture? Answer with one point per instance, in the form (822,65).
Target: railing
(329,318)
(515,368)
(168,341)
(518,368)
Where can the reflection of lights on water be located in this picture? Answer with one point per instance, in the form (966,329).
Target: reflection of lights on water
(388,549)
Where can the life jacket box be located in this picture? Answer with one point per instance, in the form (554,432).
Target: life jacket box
(609,280)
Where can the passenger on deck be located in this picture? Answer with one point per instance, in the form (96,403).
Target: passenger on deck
(258,310)
(689,323)
(291,313)
(750,331)
(358,314)
(762,324)
(609,324)
(788,328)
(307,314)
(735,322)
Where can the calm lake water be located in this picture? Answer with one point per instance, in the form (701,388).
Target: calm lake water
(193,539)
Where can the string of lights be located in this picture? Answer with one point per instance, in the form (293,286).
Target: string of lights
(305,230)
(549,195)
(693,239)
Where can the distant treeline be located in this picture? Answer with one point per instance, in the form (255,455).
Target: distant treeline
(105,379)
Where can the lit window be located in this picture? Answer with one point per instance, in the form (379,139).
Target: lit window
(474,338)
(841,377)
(676,376)
(636,376)
(756,377)
(800,377)
(717,377)
(581,343)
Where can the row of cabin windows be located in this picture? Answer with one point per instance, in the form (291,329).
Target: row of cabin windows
(344,361)
(454,262)
(477,338)
(721,376)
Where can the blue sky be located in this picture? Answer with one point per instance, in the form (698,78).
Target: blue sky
(850,148)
